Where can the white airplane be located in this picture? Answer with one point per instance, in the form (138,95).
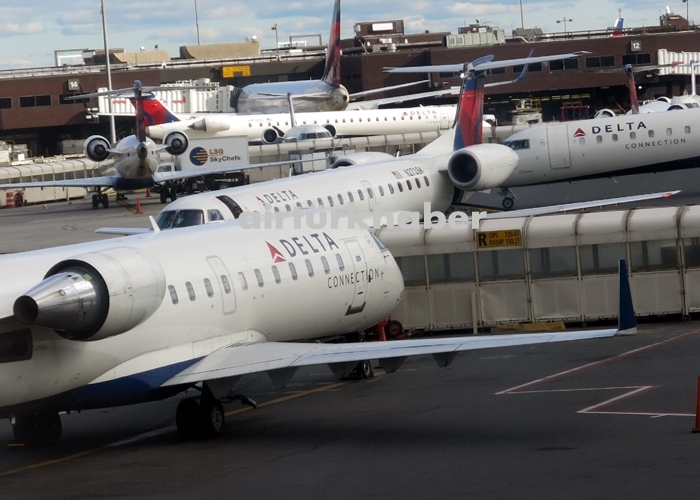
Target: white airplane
(136,157)
(126,321)
(326,94)
(269,128)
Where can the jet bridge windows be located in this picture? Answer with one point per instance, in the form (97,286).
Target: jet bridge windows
(653,255)
(601,258)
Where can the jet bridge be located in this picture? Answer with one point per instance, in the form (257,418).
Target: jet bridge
(561,268)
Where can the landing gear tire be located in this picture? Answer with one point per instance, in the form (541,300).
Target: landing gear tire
(95,201)
(173,194)
(186,417)
(43,429)
(163,195)
(364,369)
(211,418)
(105,201)
(394,328)
(508,203)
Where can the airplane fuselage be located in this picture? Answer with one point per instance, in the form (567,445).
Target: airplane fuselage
(345,123)
(308,95)
(137,160)
(604,147)
(242,286)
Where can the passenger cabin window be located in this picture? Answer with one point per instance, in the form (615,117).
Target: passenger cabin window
(381,191)
(226,284)
(651,133)
(326,267)
(427,182)
(687,129)
(614,137)
(293,271)
(400,186)
(244,283)
(299,204)
(309,268)
(320,202)
(515,145)
(408,183)
(417,182)
(208,287)
(277,209)
(391,188)
(669,131)
(341,264)
(359,193)
(330,201)
(276,274)
(258,276)
(340,198)
(190,291)
(633,135)
(598,139)
(370,193)
(289,209)
(309,203)
(173,294)
(350,198)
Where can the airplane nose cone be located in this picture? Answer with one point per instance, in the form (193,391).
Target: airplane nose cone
(142,151)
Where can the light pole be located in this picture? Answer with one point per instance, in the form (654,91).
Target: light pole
(112,126)
(196,20)
(277,43)
(565,20)
(522,21)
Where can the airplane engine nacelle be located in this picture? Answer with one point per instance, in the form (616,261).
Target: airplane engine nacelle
(338,99)
(482,166)
(210,125)
(361,158)
(270,136)
(96,148)
(176,141)
(96,295)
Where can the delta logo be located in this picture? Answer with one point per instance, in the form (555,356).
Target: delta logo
(275,254)
(579,133)
(199,156)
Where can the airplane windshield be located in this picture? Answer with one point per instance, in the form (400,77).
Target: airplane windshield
(515,145)
(165,219)
(186,218)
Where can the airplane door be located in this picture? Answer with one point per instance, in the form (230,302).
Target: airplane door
(359,268)
(223,278)
(446,121)
(558,146)
(370,199)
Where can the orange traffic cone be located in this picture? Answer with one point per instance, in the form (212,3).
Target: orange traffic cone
(148,192)
(138,206)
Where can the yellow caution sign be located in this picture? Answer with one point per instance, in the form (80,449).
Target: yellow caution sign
(234,71)
(497,239)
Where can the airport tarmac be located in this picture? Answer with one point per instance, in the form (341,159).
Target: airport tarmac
(592,419)
(606,418)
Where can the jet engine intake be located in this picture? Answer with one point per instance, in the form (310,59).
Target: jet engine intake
(361,158)
(176,141)
(210,125)
(96,295)
(270,135)
(482,166)
(96,148)
(338,99)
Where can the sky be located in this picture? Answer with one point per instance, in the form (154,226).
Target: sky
(31,30)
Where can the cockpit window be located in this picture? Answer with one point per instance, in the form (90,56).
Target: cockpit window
(186,218)
(234,207)
(214,215)
(165,219)
(515,145)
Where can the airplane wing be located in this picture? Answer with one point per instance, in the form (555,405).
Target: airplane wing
(384,89)
(239,360)
(124,231)
(87,182)
(457,68)
(553,209)
(281,359)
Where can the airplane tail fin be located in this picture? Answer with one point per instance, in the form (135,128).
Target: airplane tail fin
(470,111)
(626,322)
(634,102)
(331,72)
(154,112)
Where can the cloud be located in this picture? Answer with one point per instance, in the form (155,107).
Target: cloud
(479,9)
(22,29)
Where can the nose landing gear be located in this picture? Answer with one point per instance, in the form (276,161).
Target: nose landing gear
(509,198)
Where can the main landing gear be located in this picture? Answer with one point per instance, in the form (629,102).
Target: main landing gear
(38,429)
(509,198)
(168,190)
(204,418)
(100,198)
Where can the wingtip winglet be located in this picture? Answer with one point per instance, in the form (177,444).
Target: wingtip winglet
(626,323)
